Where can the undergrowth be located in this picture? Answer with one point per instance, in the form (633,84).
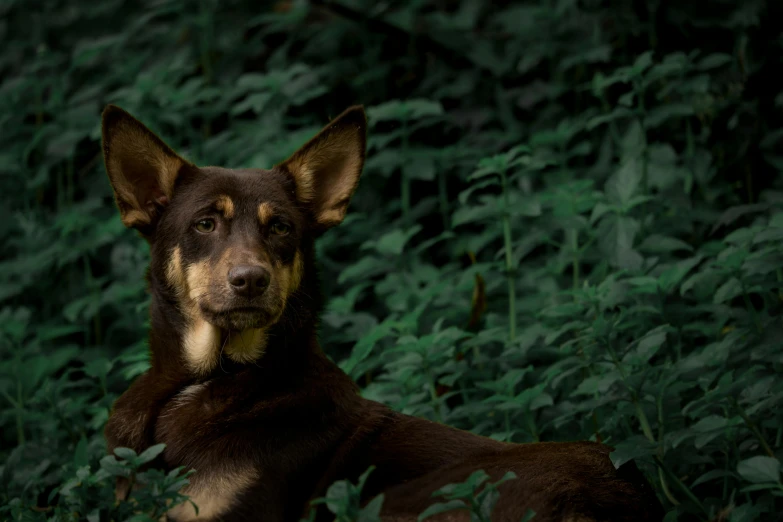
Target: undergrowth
(570,226)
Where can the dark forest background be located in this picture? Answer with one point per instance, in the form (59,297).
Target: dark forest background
(570,224)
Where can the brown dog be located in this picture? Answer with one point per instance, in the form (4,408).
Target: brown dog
(239,388)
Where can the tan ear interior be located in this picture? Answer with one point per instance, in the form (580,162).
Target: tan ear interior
(141,167)
(327,168)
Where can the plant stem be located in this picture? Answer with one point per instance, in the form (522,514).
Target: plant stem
(405,187)
(685,489)
(641,112)
(596,429)
(434,397)
(443,199)
(205,41)
(643,421)
(69,181)
(752,426)
(665,487)
(531,424)
(574,233)
(512,312)
(750,307)
(19,420)
(661,476)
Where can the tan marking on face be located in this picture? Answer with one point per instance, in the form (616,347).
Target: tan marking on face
(225,206)
(224,264)
(198,281)
(246,346)
(265,213)
(290,277)
(202,339)
(174,273)
(297,272)
(203,342)
(214,492)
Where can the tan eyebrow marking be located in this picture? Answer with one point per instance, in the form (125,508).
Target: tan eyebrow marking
(225,206)
(265,213)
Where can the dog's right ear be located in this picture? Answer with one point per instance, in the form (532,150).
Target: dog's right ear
(141,167)
(326,169)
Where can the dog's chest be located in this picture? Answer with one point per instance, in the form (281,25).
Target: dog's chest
(188,425)
(187,417)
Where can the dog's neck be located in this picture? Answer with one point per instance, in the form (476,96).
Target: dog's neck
(281,347)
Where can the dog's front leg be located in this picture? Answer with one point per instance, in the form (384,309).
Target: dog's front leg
(132,421)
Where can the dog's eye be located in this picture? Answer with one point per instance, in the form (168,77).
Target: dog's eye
(205,226)
(281,229)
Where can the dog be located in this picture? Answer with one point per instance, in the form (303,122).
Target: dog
(239,388)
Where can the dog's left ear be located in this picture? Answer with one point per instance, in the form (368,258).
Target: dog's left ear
(326,169)
(141,167)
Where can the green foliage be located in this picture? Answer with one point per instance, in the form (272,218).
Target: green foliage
(470,496)
(85,493)
(570,224)
(343,500)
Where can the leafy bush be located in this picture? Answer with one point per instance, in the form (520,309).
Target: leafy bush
(570,224)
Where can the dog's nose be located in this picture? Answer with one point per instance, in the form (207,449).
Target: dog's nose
(248,280)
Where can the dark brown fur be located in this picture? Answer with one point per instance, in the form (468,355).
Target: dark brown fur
(271,425)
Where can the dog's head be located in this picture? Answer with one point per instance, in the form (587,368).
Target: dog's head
(228,243)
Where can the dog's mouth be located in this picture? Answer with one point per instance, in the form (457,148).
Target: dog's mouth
(239,318)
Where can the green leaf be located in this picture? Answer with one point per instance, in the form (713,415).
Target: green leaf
(617,114)
(672,276)
(727,291)
(714,60)
(596,384)
(622,186)
(616,238)
(149,454)
(632,448)
(711,475)
(633,142)
(442,507)
(648,345)
(730,215)
(364,346)
(759,469)
(660,115)
(115,468)
(658,244)
(125,453)
(80,456)
(338,497)
(393,243)
(528,516)
(371,512)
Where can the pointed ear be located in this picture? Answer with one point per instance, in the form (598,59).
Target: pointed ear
(327,168)
(141,167)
